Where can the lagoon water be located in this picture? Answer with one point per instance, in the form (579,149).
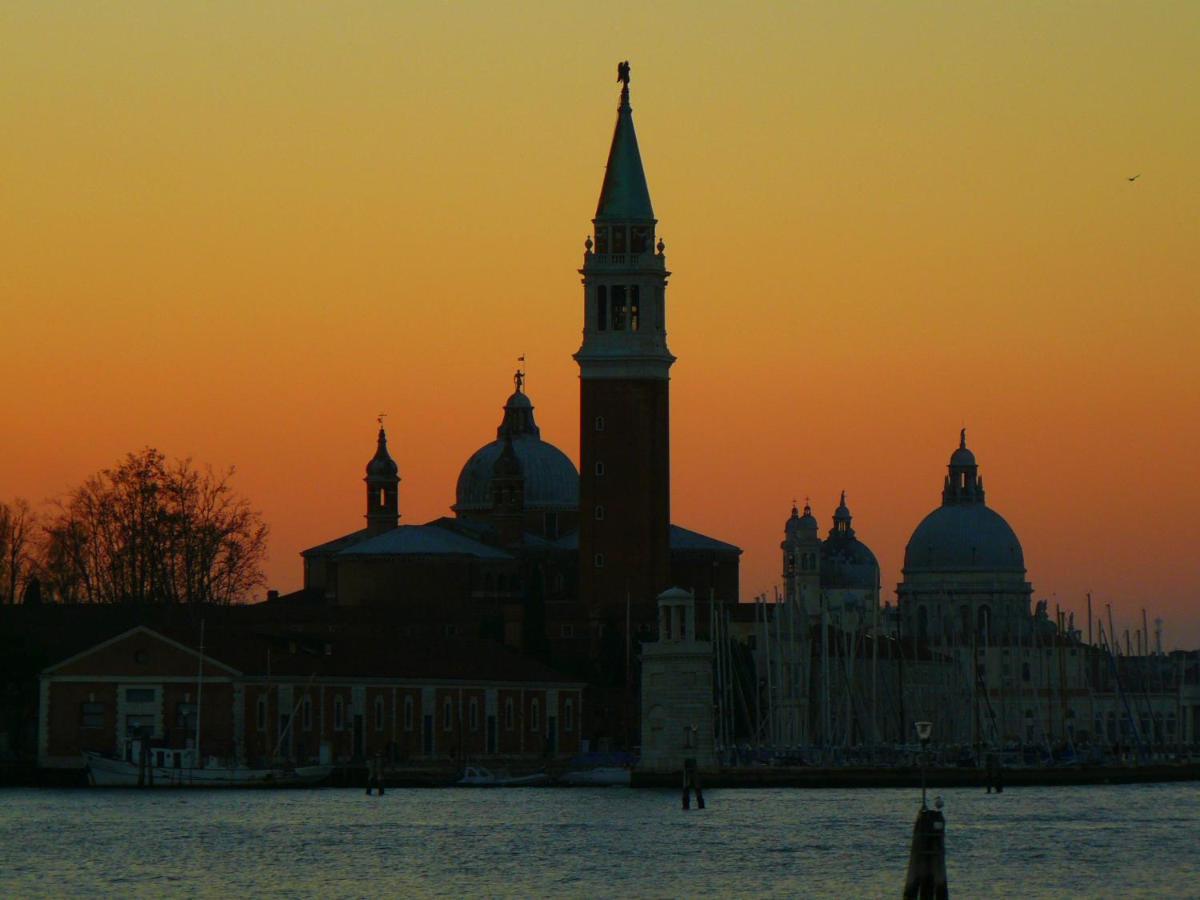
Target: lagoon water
(1118,841)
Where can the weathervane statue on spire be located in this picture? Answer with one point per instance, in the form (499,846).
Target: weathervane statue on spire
(623,73)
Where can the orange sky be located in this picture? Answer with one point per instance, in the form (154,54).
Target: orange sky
(238,231)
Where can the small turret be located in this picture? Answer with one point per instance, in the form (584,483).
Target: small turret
(383,488)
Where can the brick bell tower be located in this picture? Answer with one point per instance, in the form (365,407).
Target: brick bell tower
(624,366)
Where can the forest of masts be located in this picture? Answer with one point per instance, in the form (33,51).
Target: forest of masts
(847,686)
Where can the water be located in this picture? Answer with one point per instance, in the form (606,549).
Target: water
(1120,841)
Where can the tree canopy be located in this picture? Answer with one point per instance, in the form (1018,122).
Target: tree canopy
(149,530)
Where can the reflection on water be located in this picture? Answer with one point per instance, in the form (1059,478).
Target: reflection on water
(1121,841)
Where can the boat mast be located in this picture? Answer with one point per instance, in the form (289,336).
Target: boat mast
(199,694)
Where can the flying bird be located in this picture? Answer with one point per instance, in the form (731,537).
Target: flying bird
(1135,177)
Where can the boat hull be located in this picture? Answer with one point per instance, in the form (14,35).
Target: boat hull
(104,771)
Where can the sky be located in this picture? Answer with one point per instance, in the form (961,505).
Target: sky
(237,232)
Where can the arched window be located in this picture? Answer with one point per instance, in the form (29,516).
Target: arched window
(568,715)
(922,623)
(473,714)
(261,713)
(339,713)
(601,309)
(508,714)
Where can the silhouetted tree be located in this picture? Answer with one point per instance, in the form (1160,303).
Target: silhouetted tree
(149,531)
(17,524)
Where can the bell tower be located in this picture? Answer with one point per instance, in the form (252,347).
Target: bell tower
(624,366)
(383,488)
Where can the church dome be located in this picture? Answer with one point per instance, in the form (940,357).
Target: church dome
(846,562)
(551,479)
(964,538)
(964,535)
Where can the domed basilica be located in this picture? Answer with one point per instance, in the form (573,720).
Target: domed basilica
(964,571)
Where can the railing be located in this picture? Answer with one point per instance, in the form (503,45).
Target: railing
(647,260)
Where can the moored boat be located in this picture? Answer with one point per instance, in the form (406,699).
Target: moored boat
(478,776)
(165,767)
(597,776)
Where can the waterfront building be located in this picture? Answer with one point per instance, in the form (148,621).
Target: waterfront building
(306,697)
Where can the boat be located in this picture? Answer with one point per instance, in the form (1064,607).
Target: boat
(600,769)
(478,776)
(597,776)
(170,767)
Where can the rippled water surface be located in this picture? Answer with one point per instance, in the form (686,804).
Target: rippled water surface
(1137,840)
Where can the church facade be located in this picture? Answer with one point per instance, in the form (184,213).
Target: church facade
(559,562)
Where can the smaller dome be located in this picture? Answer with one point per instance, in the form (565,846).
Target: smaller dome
(962,457)
(842,513)
(801,525)
(382,466)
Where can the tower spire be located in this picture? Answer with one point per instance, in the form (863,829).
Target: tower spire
(624,194)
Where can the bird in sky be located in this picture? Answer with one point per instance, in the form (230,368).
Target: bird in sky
(1135,177)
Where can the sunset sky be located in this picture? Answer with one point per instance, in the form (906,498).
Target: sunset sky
(238,231)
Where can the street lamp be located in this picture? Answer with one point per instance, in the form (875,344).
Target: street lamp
(924,730)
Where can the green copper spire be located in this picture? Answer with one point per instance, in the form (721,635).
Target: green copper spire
(624,195)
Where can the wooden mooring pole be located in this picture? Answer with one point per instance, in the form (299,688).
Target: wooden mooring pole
(375,774)
(691,781)
(927,860)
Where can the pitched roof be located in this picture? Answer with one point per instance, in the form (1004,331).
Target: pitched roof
(422,540)
(337,544)
(682,540)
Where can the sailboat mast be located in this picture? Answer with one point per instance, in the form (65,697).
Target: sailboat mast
(199,695)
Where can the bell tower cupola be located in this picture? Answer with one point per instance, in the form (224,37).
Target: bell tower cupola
(963,483)
(383,488)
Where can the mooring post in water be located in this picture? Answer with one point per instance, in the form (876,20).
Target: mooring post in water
(375,774)
(691,781)
(927,860)
(995,781)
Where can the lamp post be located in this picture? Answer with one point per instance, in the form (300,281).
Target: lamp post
(924,730)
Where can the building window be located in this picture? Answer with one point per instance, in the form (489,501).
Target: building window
(659,309)
(408,713)
(452,630)
(535,715)
(306,714)
(508,714)
(185,716)
(473,714)
(91,715)
(599,560)
(602,308)
(379,714)
(618,307)
(599,513)
(339,713)
(260,715)
(618,239)
(566,631)
(139,726)
(447,714)
(600,469)
(599,423)
(568,715)
(634,307)
(1025,671)
(139,695)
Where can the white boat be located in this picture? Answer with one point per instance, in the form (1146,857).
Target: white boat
(165,767)
(597,776)
(478,776)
